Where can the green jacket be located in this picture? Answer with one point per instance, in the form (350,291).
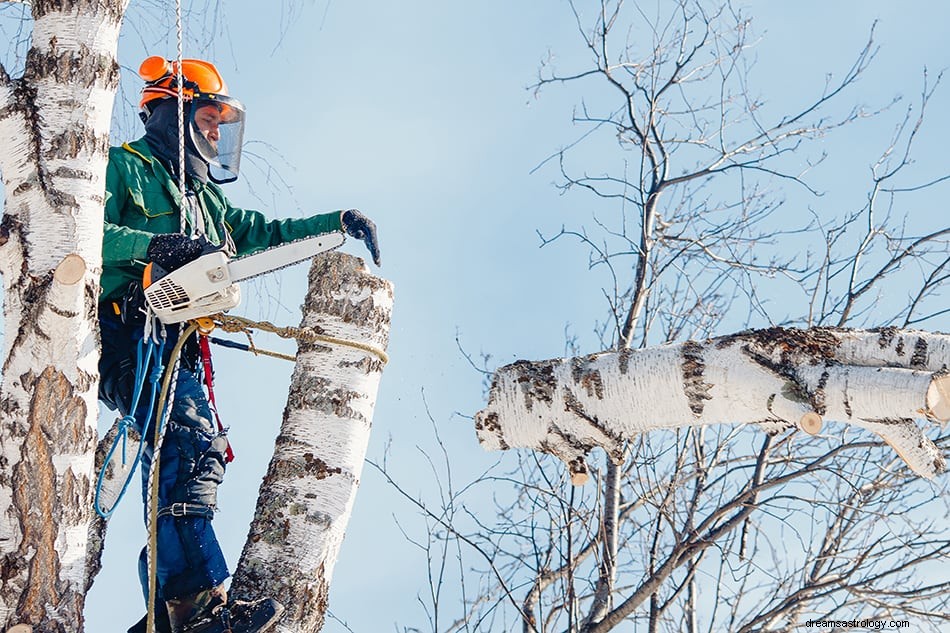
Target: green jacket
(142,199)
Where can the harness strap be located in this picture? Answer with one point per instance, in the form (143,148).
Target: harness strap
(187,510)
(209,383)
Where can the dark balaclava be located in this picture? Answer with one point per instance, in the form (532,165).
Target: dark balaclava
(161,134)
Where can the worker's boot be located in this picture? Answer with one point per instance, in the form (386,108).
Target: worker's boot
(162,625)
(207,612)
(186,612)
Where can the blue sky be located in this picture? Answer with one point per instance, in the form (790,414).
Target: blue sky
(417,113)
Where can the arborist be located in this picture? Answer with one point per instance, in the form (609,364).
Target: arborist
(148,220)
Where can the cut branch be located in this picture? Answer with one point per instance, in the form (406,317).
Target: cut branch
(877,380)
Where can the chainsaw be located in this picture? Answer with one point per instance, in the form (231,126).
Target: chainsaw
(208,284)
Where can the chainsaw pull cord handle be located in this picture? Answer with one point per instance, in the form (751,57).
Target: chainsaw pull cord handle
(207,370)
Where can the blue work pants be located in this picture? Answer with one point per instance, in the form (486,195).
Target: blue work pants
(191,465)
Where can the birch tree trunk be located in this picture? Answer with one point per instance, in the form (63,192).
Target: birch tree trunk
(880,380)
(307,495)
(54,122)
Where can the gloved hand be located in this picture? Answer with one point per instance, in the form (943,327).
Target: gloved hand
(357,225)
(173,250)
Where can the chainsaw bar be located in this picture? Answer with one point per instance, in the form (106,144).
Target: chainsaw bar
(278,257)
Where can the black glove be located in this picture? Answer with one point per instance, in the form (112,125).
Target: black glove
(173,250)
(357,225)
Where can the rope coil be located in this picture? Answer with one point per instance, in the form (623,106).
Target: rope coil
(146,355)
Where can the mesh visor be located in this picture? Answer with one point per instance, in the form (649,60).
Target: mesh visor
(217,130)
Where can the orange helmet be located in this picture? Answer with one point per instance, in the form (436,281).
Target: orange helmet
(202,87)
(201,81)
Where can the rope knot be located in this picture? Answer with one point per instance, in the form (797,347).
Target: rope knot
(125,423)
(156,375)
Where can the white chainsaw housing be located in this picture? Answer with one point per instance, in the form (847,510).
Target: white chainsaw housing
(208,285)
(195,290)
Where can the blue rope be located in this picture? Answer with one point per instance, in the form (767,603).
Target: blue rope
(144,355)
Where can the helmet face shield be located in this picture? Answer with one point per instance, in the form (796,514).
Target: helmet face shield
(216,130)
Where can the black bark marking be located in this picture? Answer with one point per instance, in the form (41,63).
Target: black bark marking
(577,463)
(624,360)
(572,404)
(918,359)
(489,424)
(270,522)
(114,8)
(886,336)
(10,225)
(589,379)
(319,468)
(70,143)
(818,397)
(815,345)
(772,426)
(694,369)
(81,67)
(574,442)
(888,421)
(33,299)
(537,382)
(68,314)
(313,392)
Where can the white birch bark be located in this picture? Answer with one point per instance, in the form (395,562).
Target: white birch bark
(879,380)
(308,493)
(54,122)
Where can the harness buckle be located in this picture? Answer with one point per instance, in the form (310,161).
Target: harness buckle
(184,509)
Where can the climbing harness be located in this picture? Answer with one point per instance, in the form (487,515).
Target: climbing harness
(146,355)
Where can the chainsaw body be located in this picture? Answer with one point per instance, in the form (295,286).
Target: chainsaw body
(208,285)
(197,289)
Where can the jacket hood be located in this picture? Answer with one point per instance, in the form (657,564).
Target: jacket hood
(161,134)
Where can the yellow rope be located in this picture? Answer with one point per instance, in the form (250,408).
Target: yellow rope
(235,324)
(170,371)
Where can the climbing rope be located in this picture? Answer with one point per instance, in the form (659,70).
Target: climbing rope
(171,377)
(165,403)
(145,354)
(236,324)
(180,80)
